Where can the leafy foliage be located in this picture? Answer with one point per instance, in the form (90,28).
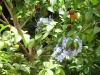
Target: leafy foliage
(32,29)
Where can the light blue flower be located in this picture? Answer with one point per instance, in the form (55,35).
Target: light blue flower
(60,52)
(57,51)
(64,41)
(45,21)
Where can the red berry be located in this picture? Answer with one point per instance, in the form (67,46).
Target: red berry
(72,47)
(69,27)
(30,8)
(71,12)
(46,13)
(37,9)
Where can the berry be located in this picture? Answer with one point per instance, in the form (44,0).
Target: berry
(37,9)
(72,16)
(46,13)
(16,46)
(71,12)
(69,27)
(72,47)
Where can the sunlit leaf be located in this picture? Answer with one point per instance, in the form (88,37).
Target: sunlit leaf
(96,12)
(45,35)
(51,9)
(67,3)
(2,27)
(49,72)
(17,38)
(38,35)
(42,72)
(96,29)
(0,7)
(94,2)
(88,15)
(98,51)
(1,45)
(53,2)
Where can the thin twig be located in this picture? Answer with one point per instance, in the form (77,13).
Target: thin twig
(25,22)
(3,16)
(8,8)
(3,21)
(46,51)
(24,49)
(1,2)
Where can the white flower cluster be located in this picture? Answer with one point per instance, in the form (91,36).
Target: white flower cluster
(60,52)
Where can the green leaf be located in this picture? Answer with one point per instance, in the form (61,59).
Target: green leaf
(75,3)
(58,30)
(45,35)
(1,44)
(42,72)
(70,33)
(67,3)
(17,38)
(53,2)
(96,12)
(6,35)
(90,37)
(84,37)
(76,45)
(14,30)
(8,1)
(0,8)
(88,15)
(47,64)
(39,51)
(61,3)
(2,27)
(94,2)
(98,51)
(38,35)
(69,43)
(26,39)
(61,71)
(79,61)
(49,72)
(51,26)
(96,29)
(43,1)
(32,43)
(51,9)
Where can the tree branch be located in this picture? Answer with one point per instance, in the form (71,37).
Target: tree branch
(8,8)
(3,21)
(24,49)
(4,18)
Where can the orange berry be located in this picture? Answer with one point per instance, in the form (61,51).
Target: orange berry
(46,13)
(72,16)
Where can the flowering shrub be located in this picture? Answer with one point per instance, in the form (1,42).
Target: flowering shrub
(64,41)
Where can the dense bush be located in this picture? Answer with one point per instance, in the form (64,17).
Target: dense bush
(49,37)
